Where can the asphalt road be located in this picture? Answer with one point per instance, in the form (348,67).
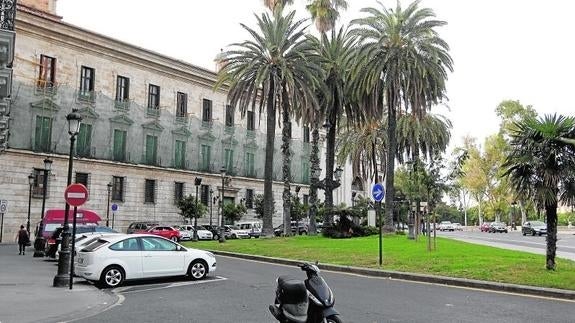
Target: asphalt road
(516,241)
(243,289)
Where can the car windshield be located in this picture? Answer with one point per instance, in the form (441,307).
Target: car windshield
(537,223)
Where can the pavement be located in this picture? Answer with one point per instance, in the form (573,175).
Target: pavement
(27,295)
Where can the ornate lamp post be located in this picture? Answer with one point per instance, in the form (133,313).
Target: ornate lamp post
(212,202)
(30,184)
(512,219)
(109,186)
(222,229)
(197,182)
(39,244)
(63,277)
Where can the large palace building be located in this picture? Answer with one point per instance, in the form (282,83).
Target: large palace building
(151,125)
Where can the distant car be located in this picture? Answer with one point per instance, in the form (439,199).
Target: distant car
(533,228)
(141,227)
(166,232)
(111,260)
(303,228)
(203,234)
(484,227)
(254,228)
(234,232)
(214,229)
(457,226)
(53,243)
(446,226)
(497,227)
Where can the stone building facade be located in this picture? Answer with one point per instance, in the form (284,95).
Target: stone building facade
(151,125)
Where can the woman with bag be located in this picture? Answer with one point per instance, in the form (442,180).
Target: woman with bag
(23,239)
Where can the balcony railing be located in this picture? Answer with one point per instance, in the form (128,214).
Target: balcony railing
(86,96)
(183,119)
(153,112)
(123,105)
(44,87)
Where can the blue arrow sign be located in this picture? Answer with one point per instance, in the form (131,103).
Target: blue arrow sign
(378,192)
(114,207)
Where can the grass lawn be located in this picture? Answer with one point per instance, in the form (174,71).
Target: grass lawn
(452,258)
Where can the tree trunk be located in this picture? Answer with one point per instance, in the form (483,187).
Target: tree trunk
(551,213)
(314,162)
(267,228)
(523,214)
(286,167)
(329,165)
(390,165)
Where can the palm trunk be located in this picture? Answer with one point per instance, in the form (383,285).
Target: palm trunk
(551,213)
(329,165)
(286,167)
(267,228)
(390,165)
(314,162)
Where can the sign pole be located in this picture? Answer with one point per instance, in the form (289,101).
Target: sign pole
(73,246)
(1,225)
(378,192)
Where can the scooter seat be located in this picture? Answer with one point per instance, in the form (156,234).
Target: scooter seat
(291,290)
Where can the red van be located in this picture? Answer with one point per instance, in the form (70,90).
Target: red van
(54,218)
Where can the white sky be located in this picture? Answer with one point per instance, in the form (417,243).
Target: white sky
(502,49)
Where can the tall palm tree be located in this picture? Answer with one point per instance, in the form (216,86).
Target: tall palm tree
(325,13)
(276,66)
(405,63)
(540,167)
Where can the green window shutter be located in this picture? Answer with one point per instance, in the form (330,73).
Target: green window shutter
(250,164)
(205,158)
(151,149)
(119,145)
(305,172)
(84,140)
(229,160)
(43,137)
(180,153)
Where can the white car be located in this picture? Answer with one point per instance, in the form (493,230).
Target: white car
(203,234)
(234,232)
(111,260)
(446,226)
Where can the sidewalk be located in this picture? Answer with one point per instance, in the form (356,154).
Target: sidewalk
(27,295)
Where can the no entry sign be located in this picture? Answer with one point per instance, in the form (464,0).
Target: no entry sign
(76,194)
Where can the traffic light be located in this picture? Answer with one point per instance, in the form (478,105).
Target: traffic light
(6,58)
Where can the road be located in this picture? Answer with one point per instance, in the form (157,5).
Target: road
(243,289)
(516,241)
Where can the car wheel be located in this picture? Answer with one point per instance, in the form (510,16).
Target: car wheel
(524,233)
(533,233)
(174,239)
(539,233)
(234,236)
(198,269)
(112,276)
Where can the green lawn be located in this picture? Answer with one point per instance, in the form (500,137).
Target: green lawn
(452,258)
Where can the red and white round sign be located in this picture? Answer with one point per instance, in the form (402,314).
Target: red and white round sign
(76,194)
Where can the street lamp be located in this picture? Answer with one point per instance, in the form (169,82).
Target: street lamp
(212,202)
(39,244)
(30,184)
(353,194)
(513,227)
(109,186)
(222,229)
(63,277)
(197,182)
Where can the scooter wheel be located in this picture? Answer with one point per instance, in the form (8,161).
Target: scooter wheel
(333,319)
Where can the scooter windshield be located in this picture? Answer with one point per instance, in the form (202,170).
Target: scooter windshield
(319,288)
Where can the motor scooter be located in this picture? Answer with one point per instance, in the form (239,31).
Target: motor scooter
(310,301)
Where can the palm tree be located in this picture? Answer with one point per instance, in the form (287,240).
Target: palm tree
(403,63)
(325,13)
(277,66)
(540,167)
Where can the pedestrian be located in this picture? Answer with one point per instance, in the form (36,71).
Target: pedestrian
(23,239)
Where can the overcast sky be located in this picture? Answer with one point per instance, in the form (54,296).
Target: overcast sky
(502,49)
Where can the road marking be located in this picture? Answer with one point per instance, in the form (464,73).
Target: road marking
(127,289)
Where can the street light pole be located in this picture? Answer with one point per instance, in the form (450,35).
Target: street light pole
(197,182)
(109,186)
(39,244)
(211,201)
(63,277)
(30,184)
(222,229)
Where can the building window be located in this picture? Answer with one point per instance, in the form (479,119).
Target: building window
(249,198)
(153,97)
(229,116)
(205,156)
(83,149)
(181,105)
(178,191)
(305,199)
(47,75)
(229,161)
(205,194)
(82,178)
(180,154)
(119,145)
(118,188)
(151,150)
(305,134)
(87,83)
(150,191)
(122,89)
(43,137)
(251,121)
(305,172)
(38,186)
(250,165)
(207,111)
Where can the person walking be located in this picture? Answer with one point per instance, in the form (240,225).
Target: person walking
(23,239)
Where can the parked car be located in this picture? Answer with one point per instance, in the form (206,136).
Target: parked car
(203,234)
(166,232)
(497,227)
(111,260)
(303,228)
(457,226)
(185,235)
(533,228)
(234,232)
(214,229)
(140,227)
(55,240)
(484,227)
(254,228)
(446,226)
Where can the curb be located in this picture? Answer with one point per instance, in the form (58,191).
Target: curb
(450,281)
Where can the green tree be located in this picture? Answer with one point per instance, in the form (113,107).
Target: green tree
(276,66)
(403,64)
(540,167)
(234,212)
(192,209)
(259,206)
